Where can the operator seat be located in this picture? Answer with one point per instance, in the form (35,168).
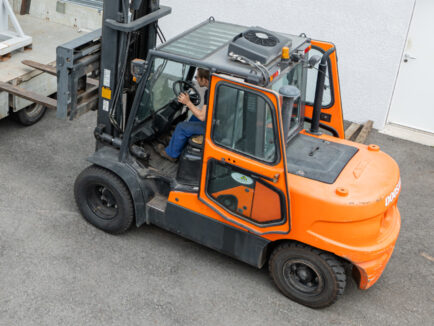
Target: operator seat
(196,141)
(190,162)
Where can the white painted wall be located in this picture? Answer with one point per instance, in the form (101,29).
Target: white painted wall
(369,36)
(78,16)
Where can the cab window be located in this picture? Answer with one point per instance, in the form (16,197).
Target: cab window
(243,122)
(242,194)
(312,76)
(159,86)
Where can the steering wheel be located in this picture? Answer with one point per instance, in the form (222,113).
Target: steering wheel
(183,86)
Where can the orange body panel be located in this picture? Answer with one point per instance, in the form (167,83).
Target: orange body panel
(245,198)
(361,227)
(259,204)
(266,205)
(358,227)
(355,218)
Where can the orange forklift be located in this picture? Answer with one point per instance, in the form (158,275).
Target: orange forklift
(271,182)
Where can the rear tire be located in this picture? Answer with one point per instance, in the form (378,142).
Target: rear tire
(31,114)
(104,200)
(309,276)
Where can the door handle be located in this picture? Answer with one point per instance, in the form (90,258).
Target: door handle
(274,179)
(253,175)
(408,57)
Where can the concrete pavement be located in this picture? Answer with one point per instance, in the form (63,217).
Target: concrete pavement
(55,269)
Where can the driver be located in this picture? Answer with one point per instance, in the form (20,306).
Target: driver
(195,126)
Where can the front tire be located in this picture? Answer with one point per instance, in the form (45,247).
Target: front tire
(307,275)
(104,200)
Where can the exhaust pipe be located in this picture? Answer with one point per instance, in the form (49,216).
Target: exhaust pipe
(322,71)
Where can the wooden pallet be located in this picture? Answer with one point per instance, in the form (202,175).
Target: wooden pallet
(357,132)
(5,57)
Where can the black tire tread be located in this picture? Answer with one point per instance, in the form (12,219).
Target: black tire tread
(22,117)
(331,260)
(120,185)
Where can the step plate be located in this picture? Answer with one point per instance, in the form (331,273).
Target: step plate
(157,203)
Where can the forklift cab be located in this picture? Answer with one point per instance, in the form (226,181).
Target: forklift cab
(245,120)
(245,107)
(240,170)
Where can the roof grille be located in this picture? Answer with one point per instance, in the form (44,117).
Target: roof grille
(261,38)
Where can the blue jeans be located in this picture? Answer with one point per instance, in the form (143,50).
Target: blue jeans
(194,119)
(183,132)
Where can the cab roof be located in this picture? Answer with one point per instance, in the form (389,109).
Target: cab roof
(207,45)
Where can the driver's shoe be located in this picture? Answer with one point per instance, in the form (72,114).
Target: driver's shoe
(161,150)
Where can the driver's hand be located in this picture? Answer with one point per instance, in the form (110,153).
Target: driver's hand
(184,98)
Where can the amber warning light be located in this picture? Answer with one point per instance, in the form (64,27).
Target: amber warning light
(285,53)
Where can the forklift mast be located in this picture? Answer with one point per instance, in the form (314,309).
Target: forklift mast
(93,70)
(129,30)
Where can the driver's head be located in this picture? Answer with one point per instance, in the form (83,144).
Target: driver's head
(202,77)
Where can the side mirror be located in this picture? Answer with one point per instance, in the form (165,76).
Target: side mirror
(138,68)
(314,60)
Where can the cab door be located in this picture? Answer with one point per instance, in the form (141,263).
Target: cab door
(331,119)
(243,175)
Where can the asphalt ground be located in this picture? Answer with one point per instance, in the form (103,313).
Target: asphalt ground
(56,269)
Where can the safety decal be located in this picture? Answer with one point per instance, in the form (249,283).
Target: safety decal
(241,178)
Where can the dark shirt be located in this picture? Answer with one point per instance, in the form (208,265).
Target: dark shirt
(206,97)
(205,102)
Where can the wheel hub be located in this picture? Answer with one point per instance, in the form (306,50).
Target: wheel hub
(34,110)
(102,201)
(107,197)
(303,276)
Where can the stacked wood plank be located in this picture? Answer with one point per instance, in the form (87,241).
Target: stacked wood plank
(357,132)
